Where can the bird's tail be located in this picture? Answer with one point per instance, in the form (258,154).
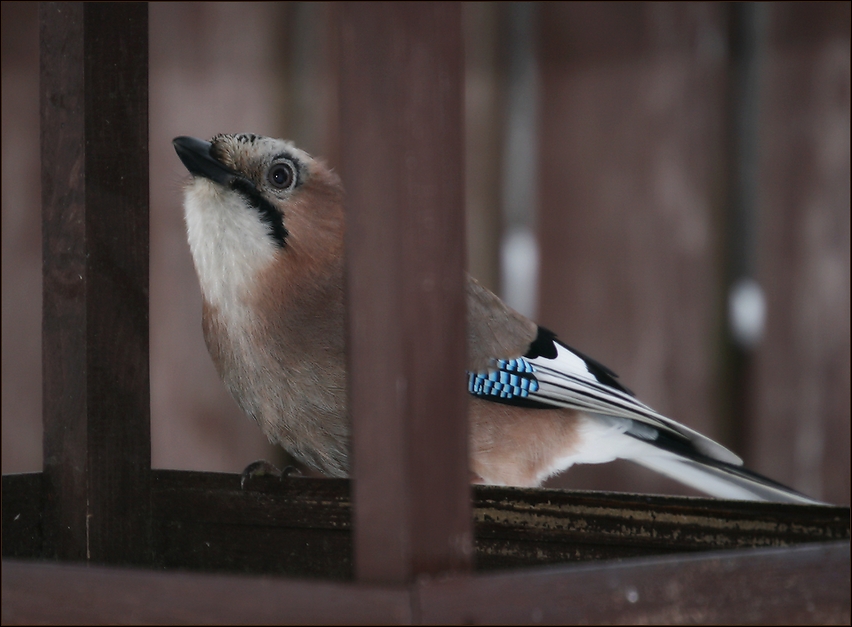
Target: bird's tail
(721,479)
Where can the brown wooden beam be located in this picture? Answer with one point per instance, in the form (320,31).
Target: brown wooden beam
(303,527)
(763,586)
(808,584)
(68,594)
(94,151)
(402,160)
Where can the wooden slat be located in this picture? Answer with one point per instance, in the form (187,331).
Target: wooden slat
(206,521)
(402,160)
(302,527)
(23,505)
(800,585)
(297,527)
(67,594)
(523,527)
(94,146)
(64,284)
(783,586)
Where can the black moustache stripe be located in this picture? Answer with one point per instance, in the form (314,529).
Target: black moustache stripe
(269,214)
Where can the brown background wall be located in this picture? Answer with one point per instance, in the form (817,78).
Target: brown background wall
(632,167)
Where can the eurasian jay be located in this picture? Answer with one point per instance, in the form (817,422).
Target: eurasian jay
(265,223)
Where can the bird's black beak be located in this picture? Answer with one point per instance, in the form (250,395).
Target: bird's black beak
(195,154)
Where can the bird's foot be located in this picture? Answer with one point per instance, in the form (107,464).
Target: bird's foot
(262,468)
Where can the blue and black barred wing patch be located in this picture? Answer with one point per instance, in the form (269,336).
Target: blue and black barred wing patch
(511,382)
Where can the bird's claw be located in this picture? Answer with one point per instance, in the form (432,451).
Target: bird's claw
(262,468)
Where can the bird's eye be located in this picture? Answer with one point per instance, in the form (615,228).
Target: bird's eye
(282,176)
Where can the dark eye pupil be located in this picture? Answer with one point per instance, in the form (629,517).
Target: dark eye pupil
(281,176)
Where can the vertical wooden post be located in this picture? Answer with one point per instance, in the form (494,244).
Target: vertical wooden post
(94,152)
(402,163)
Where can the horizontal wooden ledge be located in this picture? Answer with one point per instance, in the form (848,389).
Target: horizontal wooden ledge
(301,527)
(38,592)
(807,584)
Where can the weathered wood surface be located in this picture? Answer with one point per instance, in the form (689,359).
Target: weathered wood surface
(402,158)
(302,527)
(68,594)
(808,584)
(94,151)
(762,586)
(23,504)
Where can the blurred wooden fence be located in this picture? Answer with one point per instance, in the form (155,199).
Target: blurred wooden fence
(98,501)
(634,117)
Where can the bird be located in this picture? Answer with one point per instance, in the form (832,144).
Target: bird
(265,225)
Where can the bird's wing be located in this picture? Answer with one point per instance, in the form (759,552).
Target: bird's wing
(514,361)
(494,330)
(552,374)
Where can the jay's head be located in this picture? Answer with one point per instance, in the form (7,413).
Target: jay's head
(258,206)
